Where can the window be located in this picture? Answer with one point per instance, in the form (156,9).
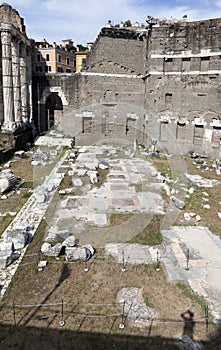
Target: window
(47,68)
(74,63)
(68,70)
(60,70)
(38,57)
(68,61)
(47,57)
(38,69)
(59,58)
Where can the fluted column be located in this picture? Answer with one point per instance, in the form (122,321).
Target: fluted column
(16,82)
(7,81)
(24,85)
(29,82)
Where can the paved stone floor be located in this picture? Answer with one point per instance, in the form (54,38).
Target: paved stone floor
(126,189)
(123,191)
(204,266)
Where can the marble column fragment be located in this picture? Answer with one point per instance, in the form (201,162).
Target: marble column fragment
(24,85)
(29,82)
(7,81)
(16,82)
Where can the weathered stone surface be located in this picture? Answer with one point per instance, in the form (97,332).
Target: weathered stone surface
(69,241)
(40,157)
(42,264)
(179,203)
(49,250)
(54,235)
(132,253)
(20,154)
(19,238)
(103,165)
(7,180)
(186,343)
(7,254)
(77,182)
(90,248)
(135,308)
(93,176)
(200,181)
(41,196)
(77,254)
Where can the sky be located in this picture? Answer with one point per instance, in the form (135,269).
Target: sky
(82,20)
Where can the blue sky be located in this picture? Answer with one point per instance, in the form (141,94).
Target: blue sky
(82,20)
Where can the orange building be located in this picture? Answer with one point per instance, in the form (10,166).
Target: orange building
(54,58)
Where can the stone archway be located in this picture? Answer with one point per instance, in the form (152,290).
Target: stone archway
(53,109)
(51,103)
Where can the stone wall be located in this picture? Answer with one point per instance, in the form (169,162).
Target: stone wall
(118,51)
(183,84)
(162,81)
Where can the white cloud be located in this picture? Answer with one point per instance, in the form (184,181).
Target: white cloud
(82,20)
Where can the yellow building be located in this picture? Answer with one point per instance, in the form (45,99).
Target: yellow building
(54,58)
(80,57)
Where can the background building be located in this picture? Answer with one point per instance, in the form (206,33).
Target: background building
(53,58)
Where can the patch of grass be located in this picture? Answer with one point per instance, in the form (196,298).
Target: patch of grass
(148,302)
(119,218)
(191,295)
(151,234)
(66,182)
(162,165)
(27,195)
(101,175)
(139,187)
(27,184)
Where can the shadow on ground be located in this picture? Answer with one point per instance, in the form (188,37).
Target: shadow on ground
(26,338)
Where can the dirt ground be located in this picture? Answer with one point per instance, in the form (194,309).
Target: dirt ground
(89,304)
(23,169)
(36,301)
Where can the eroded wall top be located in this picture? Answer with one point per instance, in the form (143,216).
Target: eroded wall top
(11,16)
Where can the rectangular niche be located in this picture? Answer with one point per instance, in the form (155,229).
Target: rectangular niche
(198,134)
(164,131)
(130,126)
(205,62)
(182,131)
(186,64)
(87,125)
(168,100)
(216,136)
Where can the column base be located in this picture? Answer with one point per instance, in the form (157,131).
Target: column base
(8,126)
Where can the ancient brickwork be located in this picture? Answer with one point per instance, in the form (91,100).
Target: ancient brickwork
(159,82)
(119,51)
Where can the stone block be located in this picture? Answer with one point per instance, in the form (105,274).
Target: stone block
(7,254)
(48,250)
(69,241)
(19,238)
(77,254)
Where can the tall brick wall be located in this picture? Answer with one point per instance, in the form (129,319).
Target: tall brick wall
(118,50)
(162,81)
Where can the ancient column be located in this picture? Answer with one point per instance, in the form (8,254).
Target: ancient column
(16,82)
(29,82)
(7,81)
(24,85)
